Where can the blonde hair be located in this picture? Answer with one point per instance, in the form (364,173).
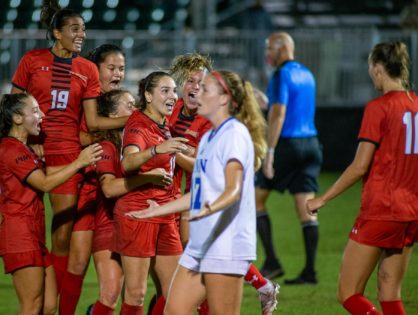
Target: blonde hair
(245,108)
(184,65)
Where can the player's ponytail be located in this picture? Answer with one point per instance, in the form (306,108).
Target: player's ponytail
(244,107)
(53,17)
(10,104)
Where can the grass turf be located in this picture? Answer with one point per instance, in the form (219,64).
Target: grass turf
(335,223)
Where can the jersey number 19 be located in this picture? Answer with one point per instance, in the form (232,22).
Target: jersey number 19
(59,99)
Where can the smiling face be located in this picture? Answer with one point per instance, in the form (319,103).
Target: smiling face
(31,117)
(161,100)
(190,90)
(111,72)
(72,35)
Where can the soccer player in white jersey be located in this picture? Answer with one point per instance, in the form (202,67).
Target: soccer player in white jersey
(222,240)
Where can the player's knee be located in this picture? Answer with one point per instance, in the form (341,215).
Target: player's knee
(50,308)
(33,306)
(110,295)
(135,296)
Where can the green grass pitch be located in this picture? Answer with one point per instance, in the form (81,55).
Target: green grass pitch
(335,223)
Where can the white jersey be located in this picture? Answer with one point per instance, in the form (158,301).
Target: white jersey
(231,232)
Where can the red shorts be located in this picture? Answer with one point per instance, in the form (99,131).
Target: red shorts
(36,258)
(71,185)
(104,233)
(86,208)
(385,234)
(144,239)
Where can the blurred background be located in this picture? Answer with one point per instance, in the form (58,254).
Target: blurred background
(332,38)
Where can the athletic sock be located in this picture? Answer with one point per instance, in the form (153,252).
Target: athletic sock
(131,309)
(254,277)
(60,267)
(70,293)
(264,231)
(203,308)
(158,308)
(100,309)
(392,307)
(310,236)
(357,304)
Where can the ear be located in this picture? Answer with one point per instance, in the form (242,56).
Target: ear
(57,34)
(148,97)
(17,119)
(224,99)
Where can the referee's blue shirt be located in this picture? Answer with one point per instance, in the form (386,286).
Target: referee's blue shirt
(293,86)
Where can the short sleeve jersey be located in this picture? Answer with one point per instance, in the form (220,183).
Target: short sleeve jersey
(59,85)
(142,132)
(229,233)
(390,190)
(191,128)
(108,164)
(293,85)
(22,208)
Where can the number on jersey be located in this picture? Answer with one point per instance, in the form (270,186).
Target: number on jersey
(196,202)
(59,99)
(410,121)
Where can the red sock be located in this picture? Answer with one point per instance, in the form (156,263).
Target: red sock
(70,293)
(158,308)
(60,267)
(204,308)
(357,304)
(392,307)
(100,309)
(131,309)
(254,277)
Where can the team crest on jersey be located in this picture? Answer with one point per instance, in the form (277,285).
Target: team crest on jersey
(194,134)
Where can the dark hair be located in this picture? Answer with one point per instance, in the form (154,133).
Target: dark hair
(394,57)
(10,104)
(54,17)
(107,105)
(99,54)
(147,85)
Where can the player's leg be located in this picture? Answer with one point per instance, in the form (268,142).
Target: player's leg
(50,295)
(135,270)
(271,267)
(29,285)
(110,275)
(186,292)
(310,231)
(224,293)
(354,274)
(392,268)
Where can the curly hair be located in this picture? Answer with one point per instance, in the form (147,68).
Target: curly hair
(184,65)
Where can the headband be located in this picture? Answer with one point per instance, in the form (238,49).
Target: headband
(224,86)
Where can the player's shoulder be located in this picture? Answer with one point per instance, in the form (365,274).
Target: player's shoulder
(37,54)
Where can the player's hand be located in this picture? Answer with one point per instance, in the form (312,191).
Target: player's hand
(190,151)
(204,212)
(268,169)
(159,177)
(90,155)
(313,205)
(172,145)
(38,149)
(144,214)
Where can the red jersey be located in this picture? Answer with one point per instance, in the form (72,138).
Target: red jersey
(108,164)
(59,85)
(144,133)
(22,208)
(390,190)
(191,128)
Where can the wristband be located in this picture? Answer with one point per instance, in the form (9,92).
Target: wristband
(270,150)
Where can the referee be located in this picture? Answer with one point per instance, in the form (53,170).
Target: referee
(294,156)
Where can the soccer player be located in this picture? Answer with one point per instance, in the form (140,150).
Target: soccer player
(22,181)
(387,161)
(61,80)
(110,61)
(222,232)
(147,144)
(188,71)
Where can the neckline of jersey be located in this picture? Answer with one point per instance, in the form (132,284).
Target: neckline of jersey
(214,132)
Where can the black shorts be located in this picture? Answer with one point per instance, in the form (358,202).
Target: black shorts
(297,163)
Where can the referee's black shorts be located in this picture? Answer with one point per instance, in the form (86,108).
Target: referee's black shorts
(297,163)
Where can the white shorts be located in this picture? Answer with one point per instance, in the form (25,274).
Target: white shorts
(210,265)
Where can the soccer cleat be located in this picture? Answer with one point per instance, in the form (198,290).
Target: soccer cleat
(268,297)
